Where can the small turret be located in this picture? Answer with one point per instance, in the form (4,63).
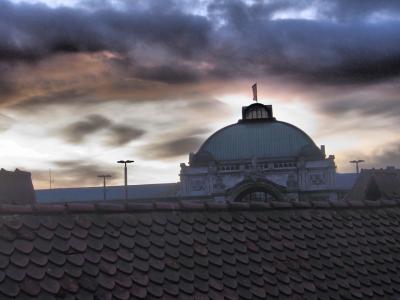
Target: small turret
(257,112)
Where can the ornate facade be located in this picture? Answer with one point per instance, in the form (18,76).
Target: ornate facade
(259,158)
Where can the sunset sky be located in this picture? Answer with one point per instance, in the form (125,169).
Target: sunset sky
(86,83)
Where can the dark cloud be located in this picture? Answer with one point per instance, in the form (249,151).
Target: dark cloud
(169,74)
(30,32)
(379,101)
(388,156)
(170,149)
(380,157)
(117,134)
(356,9)
(317,51)
(161,42)
(363,107)
(199,131)
(78,131)
(76,173)
(44,102)
(7,87)
(120,135)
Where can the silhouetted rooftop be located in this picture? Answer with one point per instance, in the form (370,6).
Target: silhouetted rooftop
(376,184)
(16,187)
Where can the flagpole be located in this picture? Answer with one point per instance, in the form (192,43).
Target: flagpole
(254,88)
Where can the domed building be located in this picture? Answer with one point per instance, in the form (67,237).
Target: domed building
(259,158)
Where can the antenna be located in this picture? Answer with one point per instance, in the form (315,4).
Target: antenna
(104,184)
(50,179)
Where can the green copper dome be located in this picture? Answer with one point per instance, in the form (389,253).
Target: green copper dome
(261,139)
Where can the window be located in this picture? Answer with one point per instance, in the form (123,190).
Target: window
(257,113)
(229,168)
(255,194)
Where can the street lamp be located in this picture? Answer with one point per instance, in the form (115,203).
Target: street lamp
(104,184)
(357,162)
(125,162)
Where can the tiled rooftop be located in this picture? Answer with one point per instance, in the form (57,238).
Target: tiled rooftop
(376,184)
(318,250)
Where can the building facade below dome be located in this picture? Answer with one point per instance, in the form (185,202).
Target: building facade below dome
(259,158)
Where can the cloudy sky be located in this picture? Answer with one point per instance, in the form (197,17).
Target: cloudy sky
(86,83)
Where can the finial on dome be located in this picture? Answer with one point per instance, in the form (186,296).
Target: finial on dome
(254,88)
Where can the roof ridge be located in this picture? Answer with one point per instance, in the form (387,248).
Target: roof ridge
(76,208)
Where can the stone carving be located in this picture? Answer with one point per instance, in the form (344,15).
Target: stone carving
(219,183)
(198,184)
(291,181)
(317,179)
(255,172)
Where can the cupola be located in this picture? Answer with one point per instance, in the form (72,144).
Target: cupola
(257,112)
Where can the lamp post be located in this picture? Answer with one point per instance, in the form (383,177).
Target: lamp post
(357,162)
(104,184)
(125,162)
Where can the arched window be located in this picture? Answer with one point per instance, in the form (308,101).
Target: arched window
(258,112)
(256,194)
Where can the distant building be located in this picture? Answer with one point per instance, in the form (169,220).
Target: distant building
(258,158)
(16,187)
(143,192)
(376,184)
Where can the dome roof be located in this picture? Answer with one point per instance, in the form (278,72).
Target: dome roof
(265,139)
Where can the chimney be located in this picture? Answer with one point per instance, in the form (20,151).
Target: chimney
(323,150)
(16,187)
